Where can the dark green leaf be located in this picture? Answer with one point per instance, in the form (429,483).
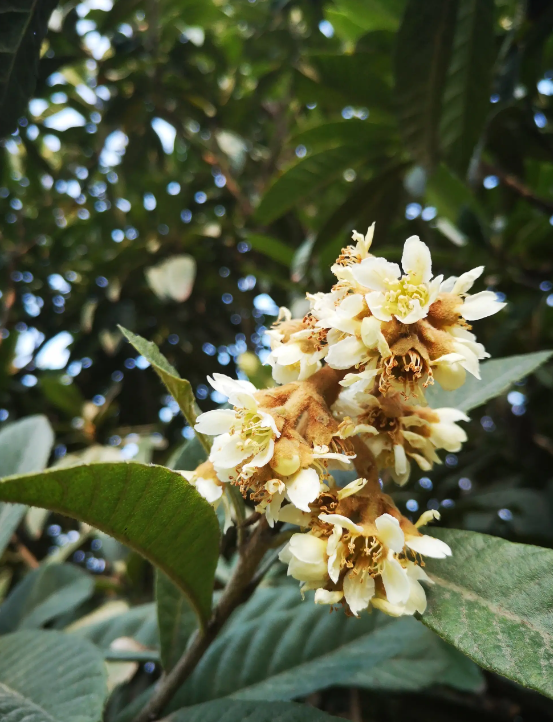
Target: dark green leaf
(45,593)
(231,711)
(422,57)
(176,621)
(353,18)
(278,648)
(271,247)
(23,26)
(497,376)
(49,676)
(493,601)
(304,178)
(354,76)
(188,456)
(150,508)
(466,99)
(362,133)
(180,389)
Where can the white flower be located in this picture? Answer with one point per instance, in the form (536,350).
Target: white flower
(352,255)
(416,597)
(297,359)
(244,435)
(300,489)
(305,555)
(480,305)
(408,296)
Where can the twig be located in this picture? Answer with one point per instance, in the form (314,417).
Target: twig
(516,185)
(237,591)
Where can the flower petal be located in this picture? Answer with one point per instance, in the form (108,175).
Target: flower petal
(346,353)
(209,489)
(396,582)
(308,548)
(428,546)
(303,488)
(481,305)
(376,302)
(373,337)
(358,591)
(464,283)
(323,596)
(215,422)
(226,453)
(340,520)
(375,273)
(416,260)
(390,533)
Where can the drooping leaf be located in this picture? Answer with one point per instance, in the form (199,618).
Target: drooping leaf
(150,508)
(180,389)
(466,101)
(188,455)
(344,132)
(493,601)
(423,51)
(355,77)
(449,194)
(45,593)
(48,676)
(24,447)
(23,25)
(105,625)
(497,376)
(175,618)
(304,178)
(232,711)
(278,648)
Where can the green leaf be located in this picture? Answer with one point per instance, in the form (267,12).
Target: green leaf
(23,24)
(231,711)
(422,57)
(271,247)
(50,676)
(353,18)
(45,593)
(150,508)
(180,389)
(426,661)
(449,194)
(354,76)
(497,376)
(24,447)
(466,99)
(305,177)
(104,626)
(176,621)
(493,601)
(278,648)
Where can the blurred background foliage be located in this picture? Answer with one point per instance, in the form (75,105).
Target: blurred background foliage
(184,167)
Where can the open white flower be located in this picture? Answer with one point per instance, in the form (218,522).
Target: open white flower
(351,255)
(245,435)
(378,570)
(390,294)
(297,359)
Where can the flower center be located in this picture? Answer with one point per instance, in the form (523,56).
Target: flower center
(402,296)
(253,430)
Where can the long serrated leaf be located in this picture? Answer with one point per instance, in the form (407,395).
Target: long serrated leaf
(466,101)
(105,626)
(48,676)
(45,593)
(493,600)
(278,648)
(231,711)
(180,389)
(150,508)
(422,58)
(24,447)
(23,25)
(497,376)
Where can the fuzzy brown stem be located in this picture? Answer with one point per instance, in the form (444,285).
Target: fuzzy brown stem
(326,382)
(365,465)
(237,591)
